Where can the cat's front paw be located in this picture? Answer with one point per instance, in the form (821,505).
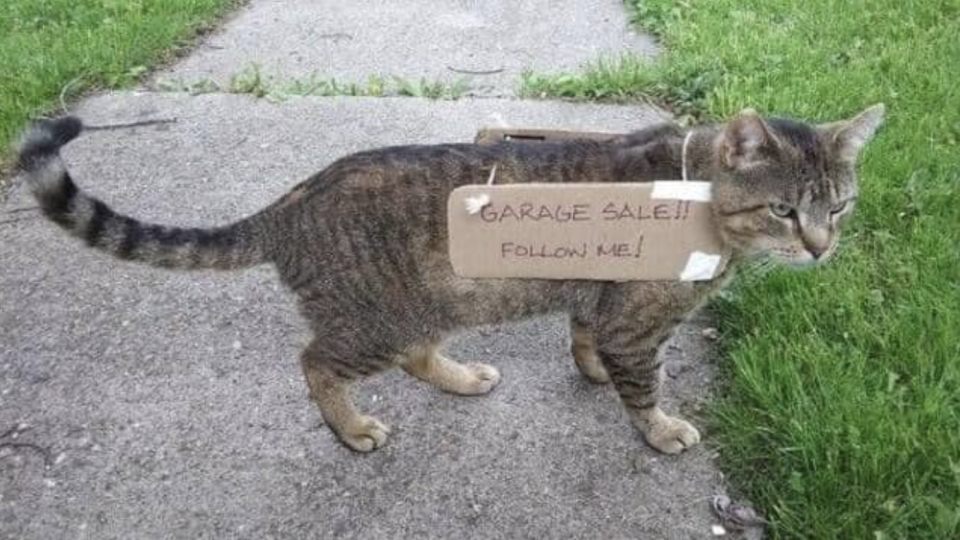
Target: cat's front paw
(365,434)
(668,434)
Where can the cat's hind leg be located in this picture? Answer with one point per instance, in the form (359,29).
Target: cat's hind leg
(425,362)
(584,349)
(330,379)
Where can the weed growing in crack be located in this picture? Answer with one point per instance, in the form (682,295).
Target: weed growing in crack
(254,82)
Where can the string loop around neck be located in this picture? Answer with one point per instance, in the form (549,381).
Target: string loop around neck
(683,155)
(493,174)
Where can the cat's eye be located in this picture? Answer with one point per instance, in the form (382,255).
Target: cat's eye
(839,207)
(781,210)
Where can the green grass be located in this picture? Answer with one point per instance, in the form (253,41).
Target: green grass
(840,414)
(46,44)
(251,80)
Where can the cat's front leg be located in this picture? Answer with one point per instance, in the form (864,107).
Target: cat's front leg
(633,321)
(637,379)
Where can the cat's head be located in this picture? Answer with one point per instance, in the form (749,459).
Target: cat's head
(785,188)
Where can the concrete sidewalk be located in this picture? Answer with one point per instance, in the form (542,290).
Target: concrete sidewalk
(486,45)
(171,405)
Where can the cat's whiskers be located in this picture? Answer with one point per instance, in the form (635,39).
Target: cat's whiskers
(758,265)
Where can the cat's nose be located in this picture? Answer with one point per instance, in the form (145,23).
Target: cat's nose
(816,240)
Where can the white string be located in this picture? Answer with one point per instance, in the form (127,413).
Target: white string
(476,203)
(683,156)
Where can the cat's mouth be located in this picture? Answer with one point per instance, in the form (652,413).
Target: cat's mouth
(801,258)
(795,256)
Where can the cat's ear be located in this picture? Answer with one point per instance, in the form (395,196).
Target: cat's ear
(848,137)
(744,140)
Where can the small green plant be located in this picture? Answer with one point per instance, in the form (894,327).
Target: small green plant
(250,81)
(200,86)
(375,86)
(253,81)
(320,86)
(427,89)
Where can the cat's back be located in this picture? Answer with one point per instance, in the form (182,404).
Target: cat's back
(443,167)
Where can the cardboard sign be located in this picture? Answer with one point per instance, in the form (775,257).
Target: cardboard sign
(611,232)
(495,135)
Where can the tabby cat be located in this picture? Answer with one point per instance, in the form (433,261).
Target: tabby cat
(363,244)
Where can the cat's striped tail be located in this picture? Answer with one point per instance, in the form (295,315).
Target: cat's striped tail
(239,245)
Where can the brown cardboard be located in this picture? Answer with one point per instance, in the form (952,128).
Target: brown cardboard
(617,231)
(495,135)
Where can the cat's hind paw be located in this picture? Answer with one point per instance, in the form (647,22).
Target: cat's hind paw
(478,379)
(472,379)
(366,434)
(590,366)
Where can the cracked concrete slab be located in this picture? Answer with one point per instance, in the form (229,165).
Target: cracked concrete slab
(172,404)
(440,40)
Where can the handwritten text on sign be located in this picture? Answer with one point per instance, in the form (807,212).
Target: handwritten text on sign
(585,231)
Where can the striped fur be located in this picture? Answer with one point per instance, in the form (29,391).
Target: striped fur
(363,245)
(224,248)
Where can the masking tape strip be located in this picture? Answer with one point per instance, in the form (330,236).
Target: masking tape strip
(700,266)
(682,191)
